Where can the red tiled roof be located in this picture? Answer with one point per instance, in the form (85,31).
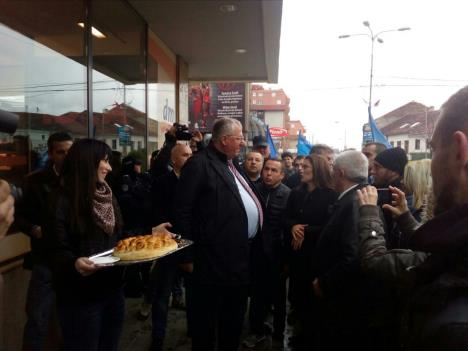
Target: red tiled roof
(410,108)
(76,122)
(413,124)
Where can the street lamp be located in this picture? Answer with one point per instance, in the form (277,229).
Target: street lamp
(373,37)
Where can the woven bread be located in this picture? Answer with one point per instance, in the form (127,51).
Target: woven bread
(144,246)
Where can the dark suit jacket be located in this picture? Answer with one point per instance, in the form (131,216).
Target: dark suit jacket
(337,260)
(163,194)
(210,211)
(34,207)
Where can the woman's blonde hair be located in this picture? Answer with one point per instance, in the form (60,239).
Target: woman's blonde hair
(418,181)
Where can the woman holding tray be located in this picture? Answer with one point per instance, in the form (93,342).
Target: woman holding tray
(87,220)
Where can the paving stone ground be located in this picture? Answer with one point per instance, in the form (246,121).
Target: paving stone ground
(137,334)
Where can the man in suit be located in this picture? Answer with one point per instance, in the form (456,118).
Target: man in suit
(218,208)
(336,262)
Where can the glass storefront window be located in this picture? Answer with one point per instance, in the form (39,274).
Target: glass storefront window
(161,93)
(43,79)
(119,113)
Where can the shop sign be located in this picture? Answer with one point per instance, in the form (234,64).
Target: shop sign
(277,132)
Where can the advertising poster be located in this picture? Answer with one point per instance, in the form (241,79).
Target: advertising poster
(208,101)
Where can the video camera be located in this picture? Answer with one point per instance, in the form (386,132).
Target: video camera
(8,122)
(182,132)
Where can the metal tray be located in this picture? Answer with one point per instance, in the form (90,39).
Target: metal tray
(181,243)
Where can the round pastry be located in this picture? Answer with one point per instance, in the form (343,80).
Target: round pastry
(144,247)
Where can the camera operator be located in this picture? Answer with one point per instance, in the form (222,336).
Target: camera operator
(161,164)
(166,272)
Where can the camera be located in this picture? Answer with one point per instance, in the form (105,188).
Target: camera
(8,122)
(182,132)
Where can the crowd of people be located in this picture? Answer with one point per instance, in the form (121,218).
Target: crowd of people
(368,249)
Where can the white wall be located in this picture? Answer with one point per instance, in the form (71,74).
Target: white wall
(274,119)
(412,142)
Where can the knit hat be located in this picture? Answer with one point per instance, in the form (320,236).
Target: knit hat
(394,159)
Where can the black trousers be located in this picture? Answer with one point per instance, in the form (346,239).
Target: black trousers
(268,289)
(218,309)
(92,325)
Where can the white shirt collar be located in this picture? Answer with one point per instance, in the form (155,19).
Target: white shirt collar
(346,191)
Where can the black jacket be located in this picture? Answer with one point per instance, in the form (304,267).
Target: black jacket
(134,197)
(67,242)
(393,233)
(163,193)
(314,209)
(210,211)
(34,207)
(275,200)
(337,261)
(293,181)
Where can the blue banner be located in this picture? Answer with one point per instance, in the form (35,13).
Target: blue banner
(273,152)
(303,146)
(377,135)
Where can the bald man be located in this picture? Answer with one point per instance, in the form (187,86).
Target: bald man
(253,165)
(166,271)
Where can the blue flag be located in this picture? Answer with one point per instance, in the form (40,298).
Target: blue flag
(303,146)
(377,135)
(273,152)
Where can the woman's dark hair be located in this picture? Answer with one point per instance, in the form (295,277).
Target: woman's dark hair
(321,170)
(79,175)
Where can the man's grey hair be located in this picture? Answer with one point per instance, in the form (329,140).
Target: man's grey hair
(355,165)
(224,126)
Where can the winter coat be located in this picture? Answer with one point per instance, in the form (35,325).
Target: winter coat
(433,277)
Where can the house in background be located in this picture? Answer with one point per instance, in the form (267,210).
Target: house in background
(409,127)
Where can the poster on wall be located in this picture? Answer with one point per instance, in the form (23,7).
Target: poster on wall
(208,101)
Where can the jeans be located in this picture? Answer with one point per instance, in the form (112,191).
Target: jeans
(92,325)
(39,302)
(164,275)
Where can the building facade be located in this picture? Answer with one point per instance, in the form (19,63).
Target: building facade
(271,106)
(409,127)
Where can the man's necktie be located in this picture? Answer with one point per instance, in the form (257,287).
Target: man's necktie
(246,186)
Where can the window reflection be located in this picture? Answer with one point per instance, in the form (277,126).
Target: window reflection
(42,80)
(161,93)
(119,79)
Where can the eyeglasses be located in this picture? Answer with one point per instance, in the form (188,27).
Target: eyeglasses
(238,138)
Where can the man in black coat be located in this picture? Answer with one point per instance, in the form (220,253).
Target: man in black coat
(336,265)
(269,286)
(387,170)
(166,270)
(218,208)
(32,212)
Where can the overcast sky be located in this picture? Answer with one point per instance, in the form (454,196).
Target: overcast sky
(327,78)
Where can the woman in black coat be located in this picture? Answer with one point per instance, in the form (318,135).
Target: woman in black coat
(87,221)
(308,209)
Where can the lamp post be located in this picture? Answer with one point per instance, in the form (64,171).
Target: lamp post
(373,37)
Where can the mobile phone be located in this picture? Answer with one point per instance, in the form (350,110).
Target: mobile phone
(385,196)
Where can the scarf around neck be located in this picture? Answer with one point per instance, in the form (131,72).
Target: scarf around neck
(103,209)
